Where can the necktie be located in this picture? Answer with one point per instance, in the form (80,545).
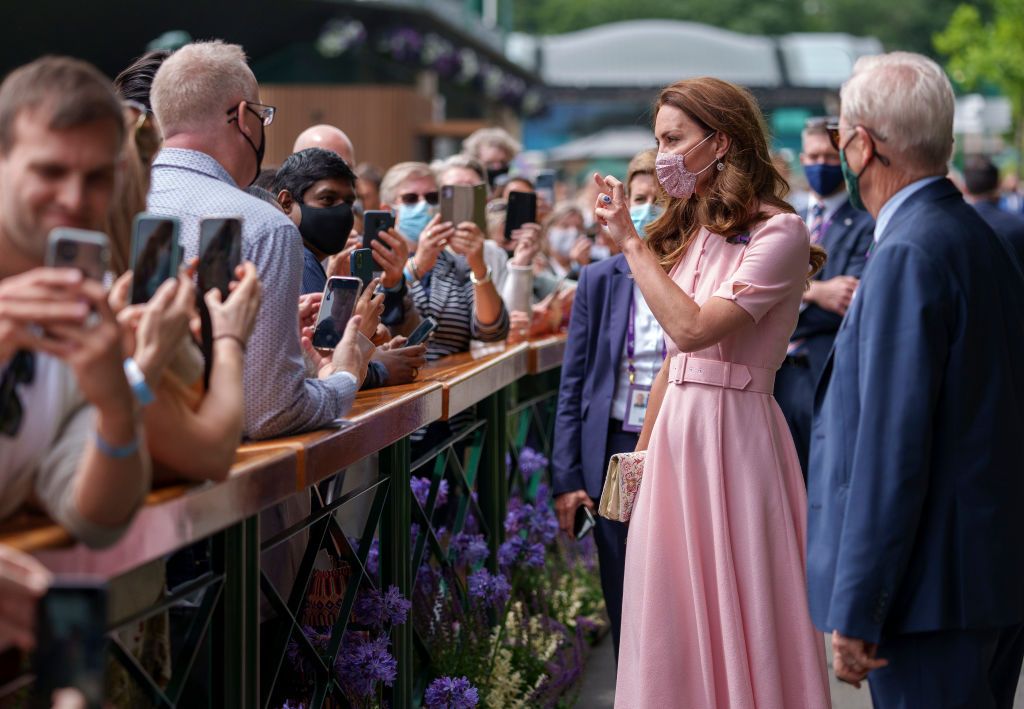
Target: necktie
(816,222)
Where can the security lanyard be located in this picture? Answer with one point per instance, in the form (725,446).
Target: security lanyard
(631,341)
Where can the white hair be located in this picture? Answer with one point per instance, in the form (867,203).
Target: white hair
(498,137)
(198,84)
(459,161)
(398,174)
(907,102)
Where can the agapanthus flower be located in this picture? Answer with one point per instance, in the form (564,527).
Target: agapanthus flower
(377,610)
(542,526)
(530,461)
(421,491)
(517,515)
(469,549)
(373,558)
(451,693)
(492,589)
(298,654)
(519,549)
(362,663)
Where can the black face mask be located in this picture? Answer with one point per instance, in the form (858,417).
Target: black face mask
(326,228)
(494,173)
(260,150)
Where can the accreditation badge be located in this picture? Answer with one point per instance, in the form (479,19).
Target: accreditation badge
(636,408)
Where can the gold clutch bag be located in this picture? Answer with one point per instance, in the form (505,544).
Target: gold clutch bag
(621,485)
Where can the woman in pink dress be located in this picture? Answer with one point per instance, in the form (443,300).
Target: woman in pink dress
(714,612)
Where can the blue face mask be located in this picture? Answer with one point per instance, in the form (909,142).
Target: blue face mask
(642,215)
(823,178)
(413,219)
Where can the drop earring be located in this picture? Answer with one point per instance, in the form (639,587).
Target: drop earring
(721,165)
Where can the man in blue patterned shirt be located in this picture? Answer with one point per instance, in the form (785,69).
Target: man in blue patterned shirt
(205,100)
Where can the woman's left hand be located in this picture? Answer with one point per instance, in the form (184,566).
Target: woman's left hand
(468,240)
(612,211)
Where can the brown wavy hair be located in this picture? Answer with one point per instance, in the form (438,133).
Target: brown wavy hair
(731,203)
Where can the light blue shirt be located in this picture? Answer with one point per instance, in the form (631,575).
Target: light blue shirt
(279,398)
(890,208)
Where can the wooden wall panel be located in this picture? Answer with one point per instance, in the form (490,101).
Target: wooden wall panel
(383,122)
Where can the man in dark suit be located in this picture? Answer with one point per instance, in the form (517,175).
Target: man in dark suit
(916,494)
(981,179)
(845,234)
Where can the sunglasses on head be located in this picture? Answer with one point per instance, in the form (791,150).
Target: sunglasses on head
(411,198)
(833,137)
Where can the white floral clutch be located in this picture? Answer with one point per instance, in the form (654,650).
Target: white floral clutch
(621,485)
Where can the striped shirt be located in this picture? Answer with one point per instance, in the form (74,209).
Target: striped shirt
(279,399)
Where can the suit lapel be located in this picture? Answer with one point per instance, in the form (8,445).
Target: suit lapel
(618,302)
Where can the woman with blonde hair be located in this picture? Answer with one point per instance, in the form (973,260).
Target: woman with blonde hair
(714,605)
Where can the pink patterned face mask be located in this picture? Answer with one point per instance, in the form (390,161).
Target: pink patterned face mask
(673,175)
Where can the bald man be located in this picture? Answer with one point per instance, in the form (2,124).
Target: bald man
(328,138)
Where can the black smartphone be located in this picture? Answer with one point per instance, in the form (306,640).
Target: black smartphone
(584,522)
(375,221)
(71,627)
(220,252)
(361,265)
(545,184)
(88,251)
(522,209)
(422,332)
(156,254)
(336,308)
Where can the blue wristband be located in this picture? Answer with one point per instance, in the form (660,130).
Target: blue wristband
(116,452)
(137,381)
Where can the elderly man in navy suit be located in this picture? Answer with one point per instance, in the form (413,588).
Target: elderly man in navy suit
(845,234)
(915,557)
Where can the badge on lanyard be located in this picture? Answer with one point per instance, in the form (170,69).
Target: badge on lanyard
(636,404)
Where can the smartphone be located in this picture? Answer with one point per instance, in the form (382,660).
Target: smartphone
(522,209)
(465,203)
(584,522)
(422,332)
(88,251)
(336,308)
(71,628)
(375,221)
(361,265)
(545,184)
(220,252)
(156,254)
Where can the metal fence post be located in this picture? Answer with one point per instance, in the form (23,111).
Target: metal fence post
(492,486)
(395,559)
(236,629)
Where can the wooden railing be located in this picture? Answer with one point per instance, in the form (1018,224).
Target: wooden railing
(270,472)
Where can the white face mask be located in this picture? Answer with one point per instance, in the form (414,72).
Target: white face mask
(561,238)
(599,252)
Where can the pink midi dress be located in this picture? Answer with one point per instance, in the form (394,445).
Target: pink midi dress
(714,611)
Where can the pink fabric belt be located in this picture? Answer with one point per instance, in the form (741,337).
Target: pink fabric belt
(728,375)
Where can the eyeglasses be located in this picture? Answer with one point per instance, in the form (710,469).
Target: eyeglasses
(21,370)
(833,137)
(264,112)
(411,198)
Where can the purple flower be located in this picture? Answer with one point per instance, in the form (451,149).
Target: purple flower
(543,492)
(530,461)
(421,491)
(376,611)
(469,549)
(542,525)
(449,693)
(491,589)
(517,516)
(363,663)
(517,549)
(298,654)
(373,559)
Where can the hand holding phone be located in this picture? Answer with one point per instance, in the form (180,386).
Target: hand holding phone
(339,300)
(156,254)
(220,252)
(88,251)
(361,265)
(522,209)
(374,222)
(584,523)
(422,332)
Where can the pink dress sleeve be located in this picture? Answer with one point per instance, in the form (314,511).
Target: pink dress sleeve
(775,262)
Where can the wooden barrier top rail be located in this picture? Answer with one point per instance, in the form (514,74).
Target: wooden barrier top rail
(267,472)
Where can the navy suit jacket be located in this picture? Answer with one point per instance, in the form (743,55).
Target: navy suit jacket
(597,334)
(1006,224)
(846,241)
(916,488)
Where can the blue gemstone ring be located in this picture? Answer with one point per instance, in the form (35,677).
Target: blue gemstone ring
(606,199)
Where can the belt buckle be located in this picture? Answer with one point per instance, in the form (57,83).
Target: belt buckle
(726,375)
(677,369)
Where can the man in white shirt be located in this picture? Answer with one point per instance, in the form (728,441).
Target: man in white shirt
(69,439)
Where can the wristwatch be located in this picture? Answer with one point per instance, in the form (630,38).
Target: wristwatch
(480,281)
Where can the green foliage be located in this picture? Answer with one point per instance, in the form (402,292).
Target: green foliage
(907,24)
(989,50)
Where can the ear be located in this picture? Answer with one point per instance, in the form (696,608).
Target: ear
(722,143)
(284,198)
(243,123)
(868,143)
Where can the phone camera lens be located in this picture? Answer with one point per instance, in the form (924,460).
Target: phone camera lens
(67,250)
